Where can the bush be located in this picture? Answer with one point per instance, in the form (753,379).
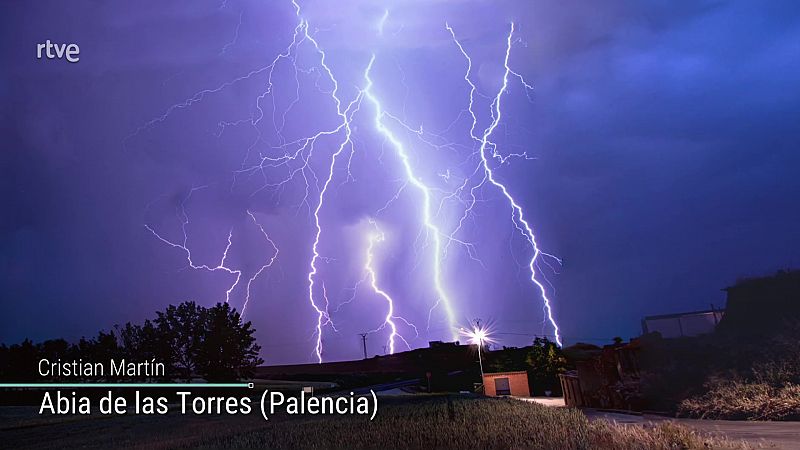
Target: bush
(735,399)
(666,435)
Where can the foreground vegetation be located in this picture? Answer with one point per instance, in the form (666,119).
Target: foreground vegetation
(741,400)
(462,423)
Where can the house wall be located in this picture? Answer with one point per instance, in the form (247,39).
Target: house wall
(518,383)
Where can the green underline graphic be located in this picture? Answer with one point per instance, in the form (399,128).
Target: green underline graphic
(125,385)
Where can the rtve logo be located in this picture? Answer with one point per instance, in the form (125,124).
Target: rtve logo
(70,52)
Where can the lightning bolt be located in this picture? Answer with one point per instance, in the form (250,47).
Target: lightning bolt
(221,266)
(264,266)
(374,238)
(382,22)
(346,114)
(425,193)
(517,213)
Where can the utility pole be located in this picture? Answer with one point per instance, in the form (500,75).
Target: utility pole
(480,344)
(714,314)
(364,343)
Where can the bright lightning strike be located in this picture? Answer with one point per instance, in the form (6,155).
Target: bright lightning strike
(377,236)
(346,116)
(425,193)
(517,213)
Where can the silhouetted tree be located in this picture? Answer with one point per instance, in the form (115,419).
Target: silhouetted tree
(145,343)
(180,330)
(4,360)
(104,347)
(19,362)
(189,339)
(228,350)
(508,360)
(546,361)
(55,349)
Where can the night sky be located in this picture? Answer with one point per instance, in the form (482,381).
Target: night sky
(662,143)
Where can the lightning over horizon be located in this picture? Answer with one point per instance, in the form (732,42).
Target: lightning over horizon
(430,226)
(517,213)
(373,238)
(311,164)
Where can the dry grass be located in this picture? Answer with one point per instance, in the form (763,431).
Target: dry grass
(740,400)
(462,423)
(664,435)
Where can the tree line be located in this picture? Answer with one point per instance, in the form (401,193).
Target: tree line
(189,339)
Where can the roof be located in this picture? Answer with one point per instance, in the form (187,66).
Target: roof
(516,372)
(684,314)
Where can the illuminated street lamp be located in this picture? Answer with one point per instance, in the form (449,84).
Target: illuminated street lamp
(479,336)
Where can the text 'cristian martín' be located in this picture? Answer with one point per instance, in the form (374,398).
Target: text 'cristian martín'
(114,368)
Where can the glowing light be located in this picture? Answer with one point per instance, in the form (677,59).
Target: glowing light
(477,335)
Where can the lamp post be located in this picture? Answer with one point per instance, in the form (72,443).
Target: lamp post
(477,335)
(480,335)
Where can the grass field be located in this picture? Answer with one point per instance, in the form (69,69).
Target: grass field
(418,422)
